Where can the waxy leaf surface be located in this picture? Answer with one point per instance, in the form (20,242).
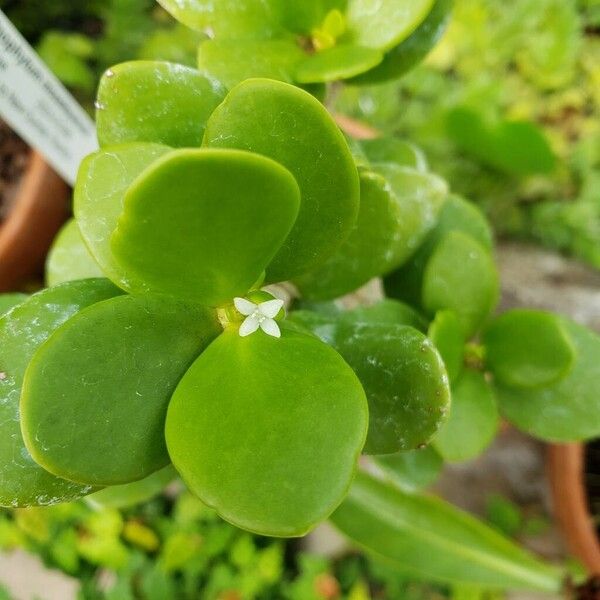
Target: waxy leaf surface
(290,126)
(267,431)
(22,481)
(528,348)
(568,409)
(130,494)
(427,537)
(384,24)
(473,419)
(158,102)
(394,150)
(227,214)
(69,259)
(367,251)
(102,181)
(233,61)
(411,470)
(8,301)
(448,337)
(95,394)
(461,276)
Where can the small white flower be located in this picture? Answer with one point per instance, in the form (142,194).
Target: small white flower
(259,315)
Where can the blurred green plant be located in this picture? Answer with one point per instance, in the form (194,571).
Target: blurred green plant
(507,108)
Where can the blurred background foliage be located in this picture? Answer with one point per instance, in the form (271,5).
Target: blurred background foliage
(507,108)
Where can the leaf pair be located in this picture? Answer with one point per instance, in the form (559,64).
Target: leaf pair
(214,218)
(311,42)
(453,268)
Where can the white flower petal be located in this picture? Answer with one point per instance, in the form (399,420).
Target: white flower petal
(244,306)
(270,308)
(270,327)
(250,325)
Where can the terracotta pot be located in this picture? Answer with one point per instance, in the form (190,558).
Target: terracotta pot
(566,470)
(40,208)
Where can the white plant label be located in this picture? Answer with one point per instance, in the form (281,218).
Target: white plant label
(38,108)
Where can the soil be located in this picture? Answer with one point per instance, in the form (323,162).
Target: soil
(592,479)
(14,157)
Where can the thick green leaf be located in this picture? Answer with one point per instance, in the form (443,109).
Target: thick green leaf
(69,258)
(8,301)
(232,61)
(387,311)
(394,150)
(473,419)
(303,17)
(412,470)
(228,213)
(158,102)
(424,536)
(528,348)
(461,276)
(130,494)
(413,49)
(235,19)
(95,394)
(22,331)
(290,126)
(420,197)
(401,372)
(386,23)
(448,337)
(267,431)
(567,410)
(340,62)
(367,251)
(102,181)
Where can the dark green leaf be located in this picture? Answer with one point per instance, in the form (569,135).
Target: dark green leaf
(22,331)
(267,431)
(411,470)
(158,102)
(95,394)
(424,536)
(228,213)
(290,126)
(448,337)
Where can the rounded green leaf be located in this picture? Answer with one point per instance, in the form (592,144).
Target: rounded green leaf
(461,276)
(95,394)
(102,181)
(566,410)
(233,61)
(130,494)
(69,258)
(236,19)
(387,311)
(340,62)
(9,301)
(385,23)
(424,536)
(473,419)
(420,197)
(456,214)
(303,17)
(267,431)
(448,337)
(290,126)
(394,150)
(158,102)
(413,49)
(22,331)
(528,348)
(228,212)
(401,372)
(412,470)
(367,251)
